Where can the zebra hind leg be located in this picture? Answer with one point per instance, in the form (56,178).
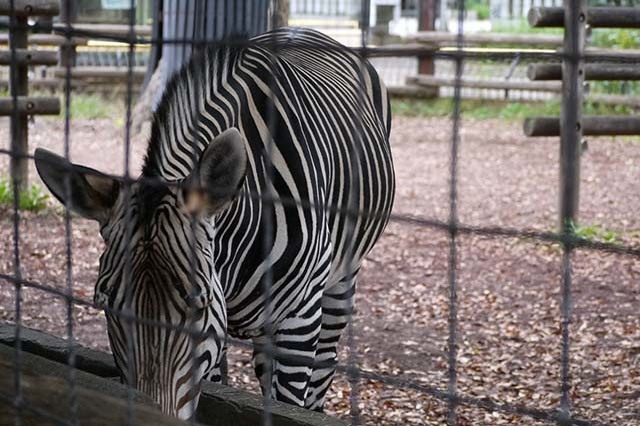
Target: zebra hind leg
(294,343)
(337,307)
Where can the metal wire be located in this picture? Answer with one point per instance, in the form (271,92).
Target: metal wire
(452,320)
(129,225)
(355,374)
(17,269)
(71,361)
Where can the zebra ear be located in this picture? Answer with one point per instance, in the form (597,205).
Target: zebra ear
(219,175)
(89,193)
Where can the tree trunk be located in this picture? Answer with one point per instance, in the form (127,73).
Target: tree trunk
(200,21)
(280,13)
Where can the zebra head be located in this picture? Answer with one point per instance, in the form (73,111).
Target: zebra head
(157,282)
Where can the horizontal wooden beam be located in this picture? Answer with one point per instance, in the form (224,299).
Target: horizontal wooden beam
(625,100)
(108,29)
(602,125)
(31,106)
(219,405)
(45,387)
(37,83)
(597,17)
(119,73)
(594,54)
(546,72)
(431,81)
(450,39)
(47,40)
(30,7)
(413,91)
(29,57)
(396,50)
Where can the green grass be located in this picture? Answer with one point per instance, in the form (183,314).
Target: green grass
(595,233)
(522,27)
(32,199)
(483,109)
(481,7)
(614,38)
(90,106)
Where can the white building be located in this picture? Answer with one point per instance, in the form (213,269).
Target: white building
(398,16)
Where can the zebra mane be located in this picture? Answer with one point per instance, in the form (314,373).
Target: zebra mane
(193,70)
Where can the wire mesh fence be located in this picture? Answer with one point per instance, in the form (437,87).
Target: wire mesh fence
(129,319)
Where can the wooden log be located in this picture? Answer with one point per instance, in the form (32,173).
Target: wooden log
(97,31)
(571,121)
(114,29)
(413,91)
(47,40)
(426,23)
(430,92)
(31,7)
(219,405)
(118,73)
(601,125)
(396,50)
(622,56)
(28,57)
(546,72)
(46,397)
(19,87)
(30,106)
(596,17)
(431,81)
(445,38)
(47,83)
(626,100)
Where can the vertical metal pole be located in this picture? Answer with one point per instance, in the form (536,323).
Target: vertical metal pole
(19,123)
(426,22)
(571,115)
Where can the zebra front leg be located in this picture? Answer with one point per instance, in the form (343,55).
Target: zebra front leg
(337,308)
(219,372)
(291,363)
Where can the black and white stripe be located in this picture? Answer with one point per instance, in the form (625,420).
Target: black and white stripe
(314,120)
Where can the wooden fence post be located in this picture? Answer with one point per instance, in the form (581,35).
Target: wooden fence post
(19,106)
(426,22)
(571,126)
(68,14)
(18,83)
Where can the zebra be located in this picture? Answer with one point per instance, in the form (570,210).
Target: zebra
(267,179)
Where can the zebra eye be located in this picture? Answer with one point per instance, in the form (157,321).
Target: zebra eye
(199,299)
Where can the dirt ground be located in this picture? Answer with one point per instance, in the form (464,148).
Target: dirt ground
(509,340)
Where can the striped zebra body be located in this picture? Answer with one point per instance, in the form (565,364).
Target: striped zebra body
(278,259)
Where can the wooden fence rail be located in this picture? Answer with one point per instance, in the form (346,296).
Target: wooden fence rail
(609,125)
(542,72)
(24,8)
(595,17)
(474,39)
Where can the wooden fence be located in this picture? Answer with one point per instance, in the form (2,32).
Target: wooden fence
(20,105)
(575,69)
